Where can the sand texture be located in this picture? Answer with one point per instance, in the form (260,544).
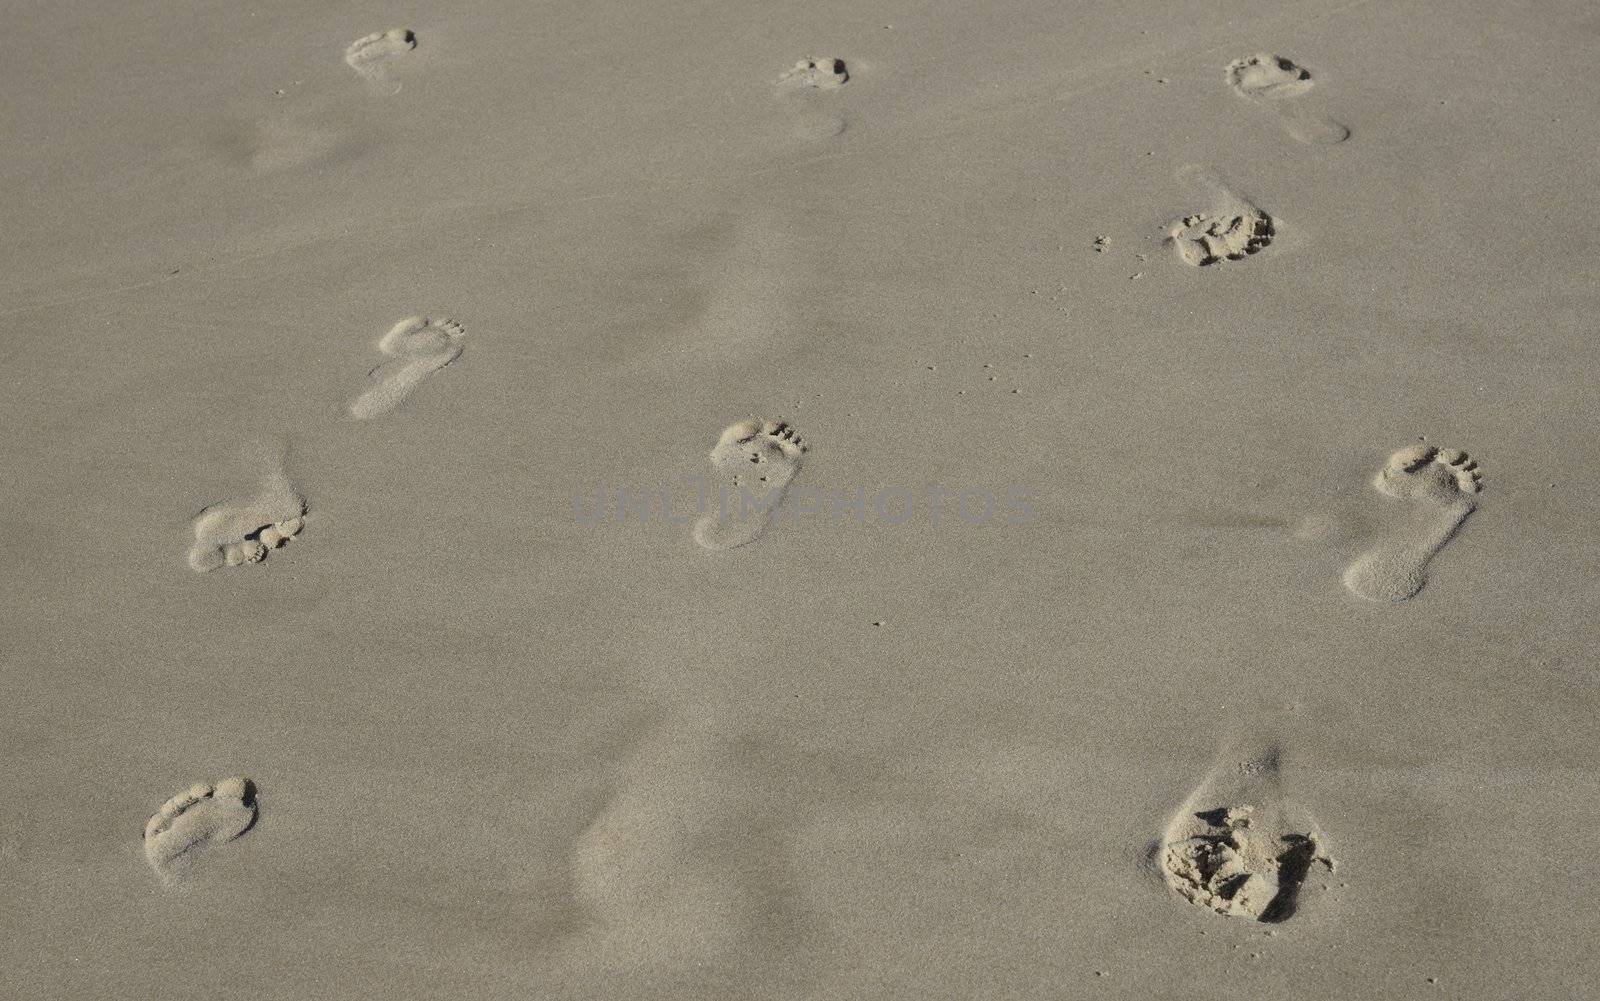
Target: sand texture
(792,502)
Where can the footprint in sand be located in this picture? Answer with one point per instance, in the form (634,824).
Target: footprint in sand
(757,459)
(675,868)
(1230,231)
(815,73)
(192,821)
(1275,82)
(273,144)
(420,347)
(810,76)
(1441,486)
(239,532)
(1238,847)
(373,55)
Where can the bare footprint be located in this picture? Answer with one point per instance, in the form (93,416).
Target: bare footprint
(1237,846)
(192,821)
(420,347)
(1233,229)
(675,869)
(1441,486)
(239,532)
(1273,81)
(806,82)
(758,460)
(372,56)
(815,73)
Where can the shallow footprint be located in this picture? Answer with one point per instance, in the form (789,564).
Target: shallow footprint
(1441,485)
(373,55)
(239,532)
(1238,847)
(192,821)
(676,868)
(1270,80)
(806,82)
(420,347)
(819,126)
(1232,230)
(758,460)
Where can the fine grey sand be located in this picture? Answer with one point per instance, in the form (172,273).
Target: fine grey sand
(1186,587)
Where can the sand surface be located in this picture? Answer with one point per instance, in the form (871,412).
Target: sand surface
(1200,683)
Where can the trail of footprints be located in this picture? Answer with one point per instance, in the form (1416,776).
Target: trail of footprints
(1237,846)
(1231,227)
(243,531)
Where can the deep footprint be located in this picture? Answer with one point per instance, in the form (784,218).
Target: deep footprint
(372,56)
(194,820)
(1231,231)
(1270,80)
(1238,847)
(1441,485)
(1204,238)
(419,347)
(757,460)
(240,532)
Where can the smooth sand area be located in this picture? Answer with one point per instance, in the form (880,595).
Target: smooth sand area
(1170,511)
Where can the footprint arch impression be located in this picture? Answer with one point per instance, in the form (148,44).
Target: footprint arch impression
(1238,847)
(193,821)
(417,347)
(1440,487)
(755,461)
(1276,82)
